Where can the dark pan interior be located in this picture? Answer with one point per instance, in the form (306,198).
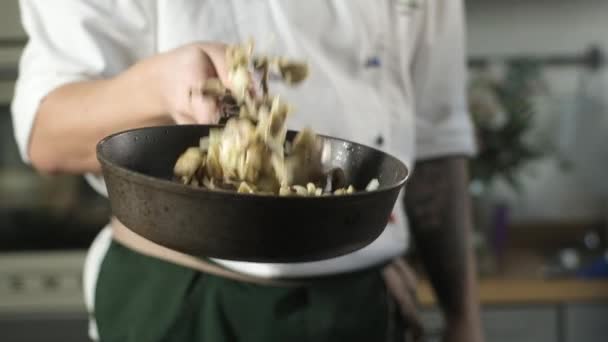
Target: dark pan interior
(153,152)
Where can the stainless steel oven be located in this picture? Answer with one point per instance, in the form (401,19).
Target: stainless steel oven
(46,226)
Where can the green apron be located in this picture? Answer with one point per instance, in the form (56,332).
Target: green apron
(140,299)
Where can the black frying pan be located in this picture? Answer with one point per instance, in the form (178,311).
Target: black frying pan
(138,165)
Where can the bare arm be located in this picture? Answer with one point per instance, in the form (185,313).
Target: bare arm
(159,90)
(438,206)
(74,117)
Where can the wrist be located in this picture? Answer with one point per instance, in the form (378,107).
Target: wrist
(465,327)
(465,317)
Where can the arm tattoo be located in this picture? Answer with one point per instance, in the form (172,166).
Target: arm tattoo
(427,197)
(437,204)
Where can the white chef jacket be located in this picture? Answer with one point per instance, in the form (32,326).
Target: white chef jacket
(384,73)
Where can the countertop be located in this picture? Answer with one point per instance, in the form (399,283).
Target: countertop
(519,279)
(494,291)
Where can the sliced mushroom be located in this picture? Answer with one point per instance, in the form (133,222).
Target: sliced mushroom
(203,144)
(340,191)
(304,162)
(208,183)
(311,188)
(246,188)
(212,165)
(271,125)
(285,191)
(373,185)
(214,87)
(278,116)
(287,147)
(248,155)
(188,163)
(292,72)
(238,134)
(252,165)
(261,64)
(240,82)
(300,190)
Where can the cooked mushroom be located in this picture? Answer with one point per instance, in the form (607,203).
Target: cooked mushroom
(292,72)
(261,64)
(373,185)
(203,144)
(245,188)
(340,191)
(208,183)
(304,162)
(284,191)
(214,87)
(188,163)
(238,72)
(300,190)
(212,163)
(311,188)
(250,154)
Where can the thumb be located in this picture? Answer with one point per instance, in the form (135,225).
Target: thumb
(217,56)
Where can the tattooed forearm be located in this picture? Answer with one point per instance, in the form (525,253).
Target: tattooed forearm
(438,208)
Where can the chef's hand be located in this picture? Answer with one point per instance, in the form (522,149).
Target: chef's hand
(401,284)
(180,75)
(159,90)
(462,330)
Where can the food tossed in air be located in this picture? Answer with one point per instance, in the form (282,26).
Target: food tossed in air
(250,154)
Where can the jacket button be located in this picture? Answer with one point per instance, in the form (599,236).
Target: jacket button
(379,140)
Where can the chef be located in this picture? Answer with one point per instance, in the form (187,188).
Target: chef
(388,73)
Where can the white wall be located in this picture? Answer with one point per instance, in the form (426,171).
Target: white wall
(10,27)
(541,27)
(536,26)
(10,24)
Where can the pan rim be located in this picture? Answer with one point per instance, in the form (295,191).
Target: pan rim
(174,187)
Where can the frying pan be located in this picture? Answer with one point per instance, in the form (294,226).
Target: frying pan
(137,166)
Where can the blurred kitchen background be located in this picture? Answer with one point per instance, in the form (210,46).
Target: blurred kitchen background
(539,98)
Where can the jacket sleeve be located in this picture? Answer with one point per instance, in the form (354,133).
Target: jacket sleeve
(71,41)
(439,78)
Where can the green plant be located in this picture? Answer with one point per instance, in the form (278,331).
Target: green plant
(502,111)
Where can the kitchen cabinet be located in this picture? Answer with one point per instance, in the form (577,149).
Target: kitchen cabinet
(41,297)
(506,324)
(586,322)
(557,322)
(533,324)
(524,307)
(12,38)
(48,327)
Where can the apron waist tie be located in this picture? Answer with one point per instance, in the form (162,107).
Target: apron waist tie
(126,237)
